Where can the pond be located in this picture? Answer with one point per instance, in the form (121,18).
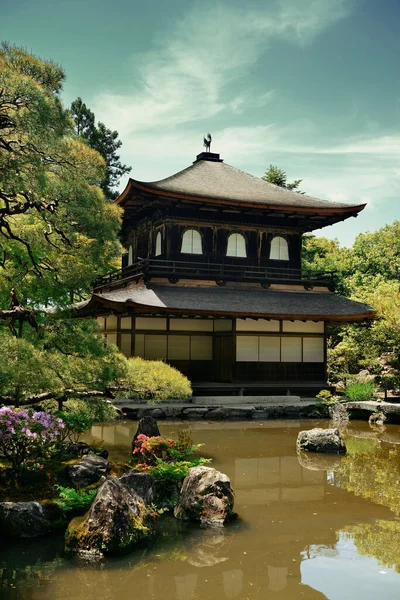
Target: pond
(312,527)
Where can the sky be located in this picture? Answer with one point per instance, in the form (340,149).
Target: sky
(312,86)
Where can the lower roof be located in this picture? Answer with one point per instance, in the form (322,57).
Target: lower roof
(226,301)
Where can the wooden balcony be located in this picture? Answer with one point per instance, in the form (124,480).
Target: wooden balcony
(175,270)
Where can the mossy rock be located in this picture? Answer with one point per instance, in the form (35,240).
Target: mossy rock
(116,521)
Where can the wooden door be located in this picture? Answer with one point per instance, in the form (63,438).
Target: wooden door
(223,352)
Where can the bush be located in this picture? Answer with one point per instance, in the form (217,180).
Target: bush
(151,449)
(75,424)
(97,409)
(360,390)
(176,471)
(155,380)
(26,433)
(75,501)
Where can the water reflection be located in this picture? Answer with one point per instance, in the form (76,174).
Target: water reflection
(294,511)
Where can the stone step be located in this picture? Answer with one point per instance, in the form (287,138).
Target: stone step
(242,400)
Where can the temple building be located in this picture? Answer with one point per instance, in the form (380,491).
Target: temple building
(212,281)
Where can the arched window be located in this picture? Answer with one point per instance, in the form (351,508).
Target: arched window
(236,245)
(279,249)
(191,242)
(158,244)
(130,256)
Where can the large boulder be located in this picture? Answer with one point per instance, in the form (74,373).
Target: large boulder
(116,520)
(206,496)
(328,441)
(338,412)
(27,519)
(162,493)
(142,484)
(89,470)
(146,426)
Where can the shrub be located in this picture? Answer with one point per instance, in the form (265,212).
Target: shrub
(25,433)
(176,471)
(151,449)
(155,380)
(76,501)
(360,390)
(75,424)
(98,409)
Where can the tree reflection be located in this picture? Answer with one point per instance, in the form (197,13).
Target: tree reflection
(380,539)
(371,470)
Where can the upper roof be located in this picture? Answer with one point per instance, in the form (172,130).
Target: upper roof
(229,301)
(211,178)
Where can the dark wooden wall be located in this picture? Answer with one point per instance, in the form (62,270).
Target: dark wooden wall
(214,243)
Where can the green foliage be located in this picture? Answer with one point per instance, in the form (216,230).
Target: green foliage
(324,395)
(360,390)
(54,220)
(103,140)
(75,501)
(278,177)
(177,470)
(154,380)
(368,272)
(75,424)
(70,354)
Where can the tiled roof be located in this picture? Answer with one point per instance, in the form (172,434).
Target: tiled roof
(220,181)
(232,301)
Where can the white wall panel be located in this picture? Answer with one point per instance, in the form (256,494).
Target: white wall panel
(155,347)
(269,349)
(303,326)
(247,348)
(155,323)
(190,324)
(313,349)
(291,349)
(259,325)
(126,344)
(178,347)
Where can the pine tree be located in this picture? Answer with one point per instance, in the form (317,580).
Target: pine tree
(105,141)
(278,177)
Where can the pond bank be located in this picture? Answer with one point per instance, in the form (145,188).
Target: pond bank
(251,408)
(238,407)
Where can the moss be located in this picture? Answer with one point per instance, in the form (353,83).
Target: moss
(81,537)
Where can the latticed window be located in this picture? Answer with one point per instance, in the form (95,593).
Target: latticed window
(191,242)
(236,245)
(279,249)
(158,244)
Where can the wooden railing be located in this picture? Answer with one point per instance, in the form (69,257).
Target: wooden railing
(148,268)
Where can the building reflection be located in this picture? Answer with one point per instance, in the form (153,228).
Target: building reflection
(291,509)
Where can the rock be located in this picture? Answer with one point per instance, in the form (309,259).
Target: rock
(377,419)
(364,375)
(116,520)
(318,462)
(158,413)
(27,519)
(363,410)
(206,496)
(217,414)
(142,484)
(321,440)
(194,413)
(146,426)
(76,448)
(338,412)
(89,470)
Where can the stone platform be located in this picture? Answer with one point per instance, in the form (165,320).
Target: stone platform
(222,408)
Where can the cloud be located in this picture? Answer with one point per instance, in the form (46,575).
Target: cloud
(190,73)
